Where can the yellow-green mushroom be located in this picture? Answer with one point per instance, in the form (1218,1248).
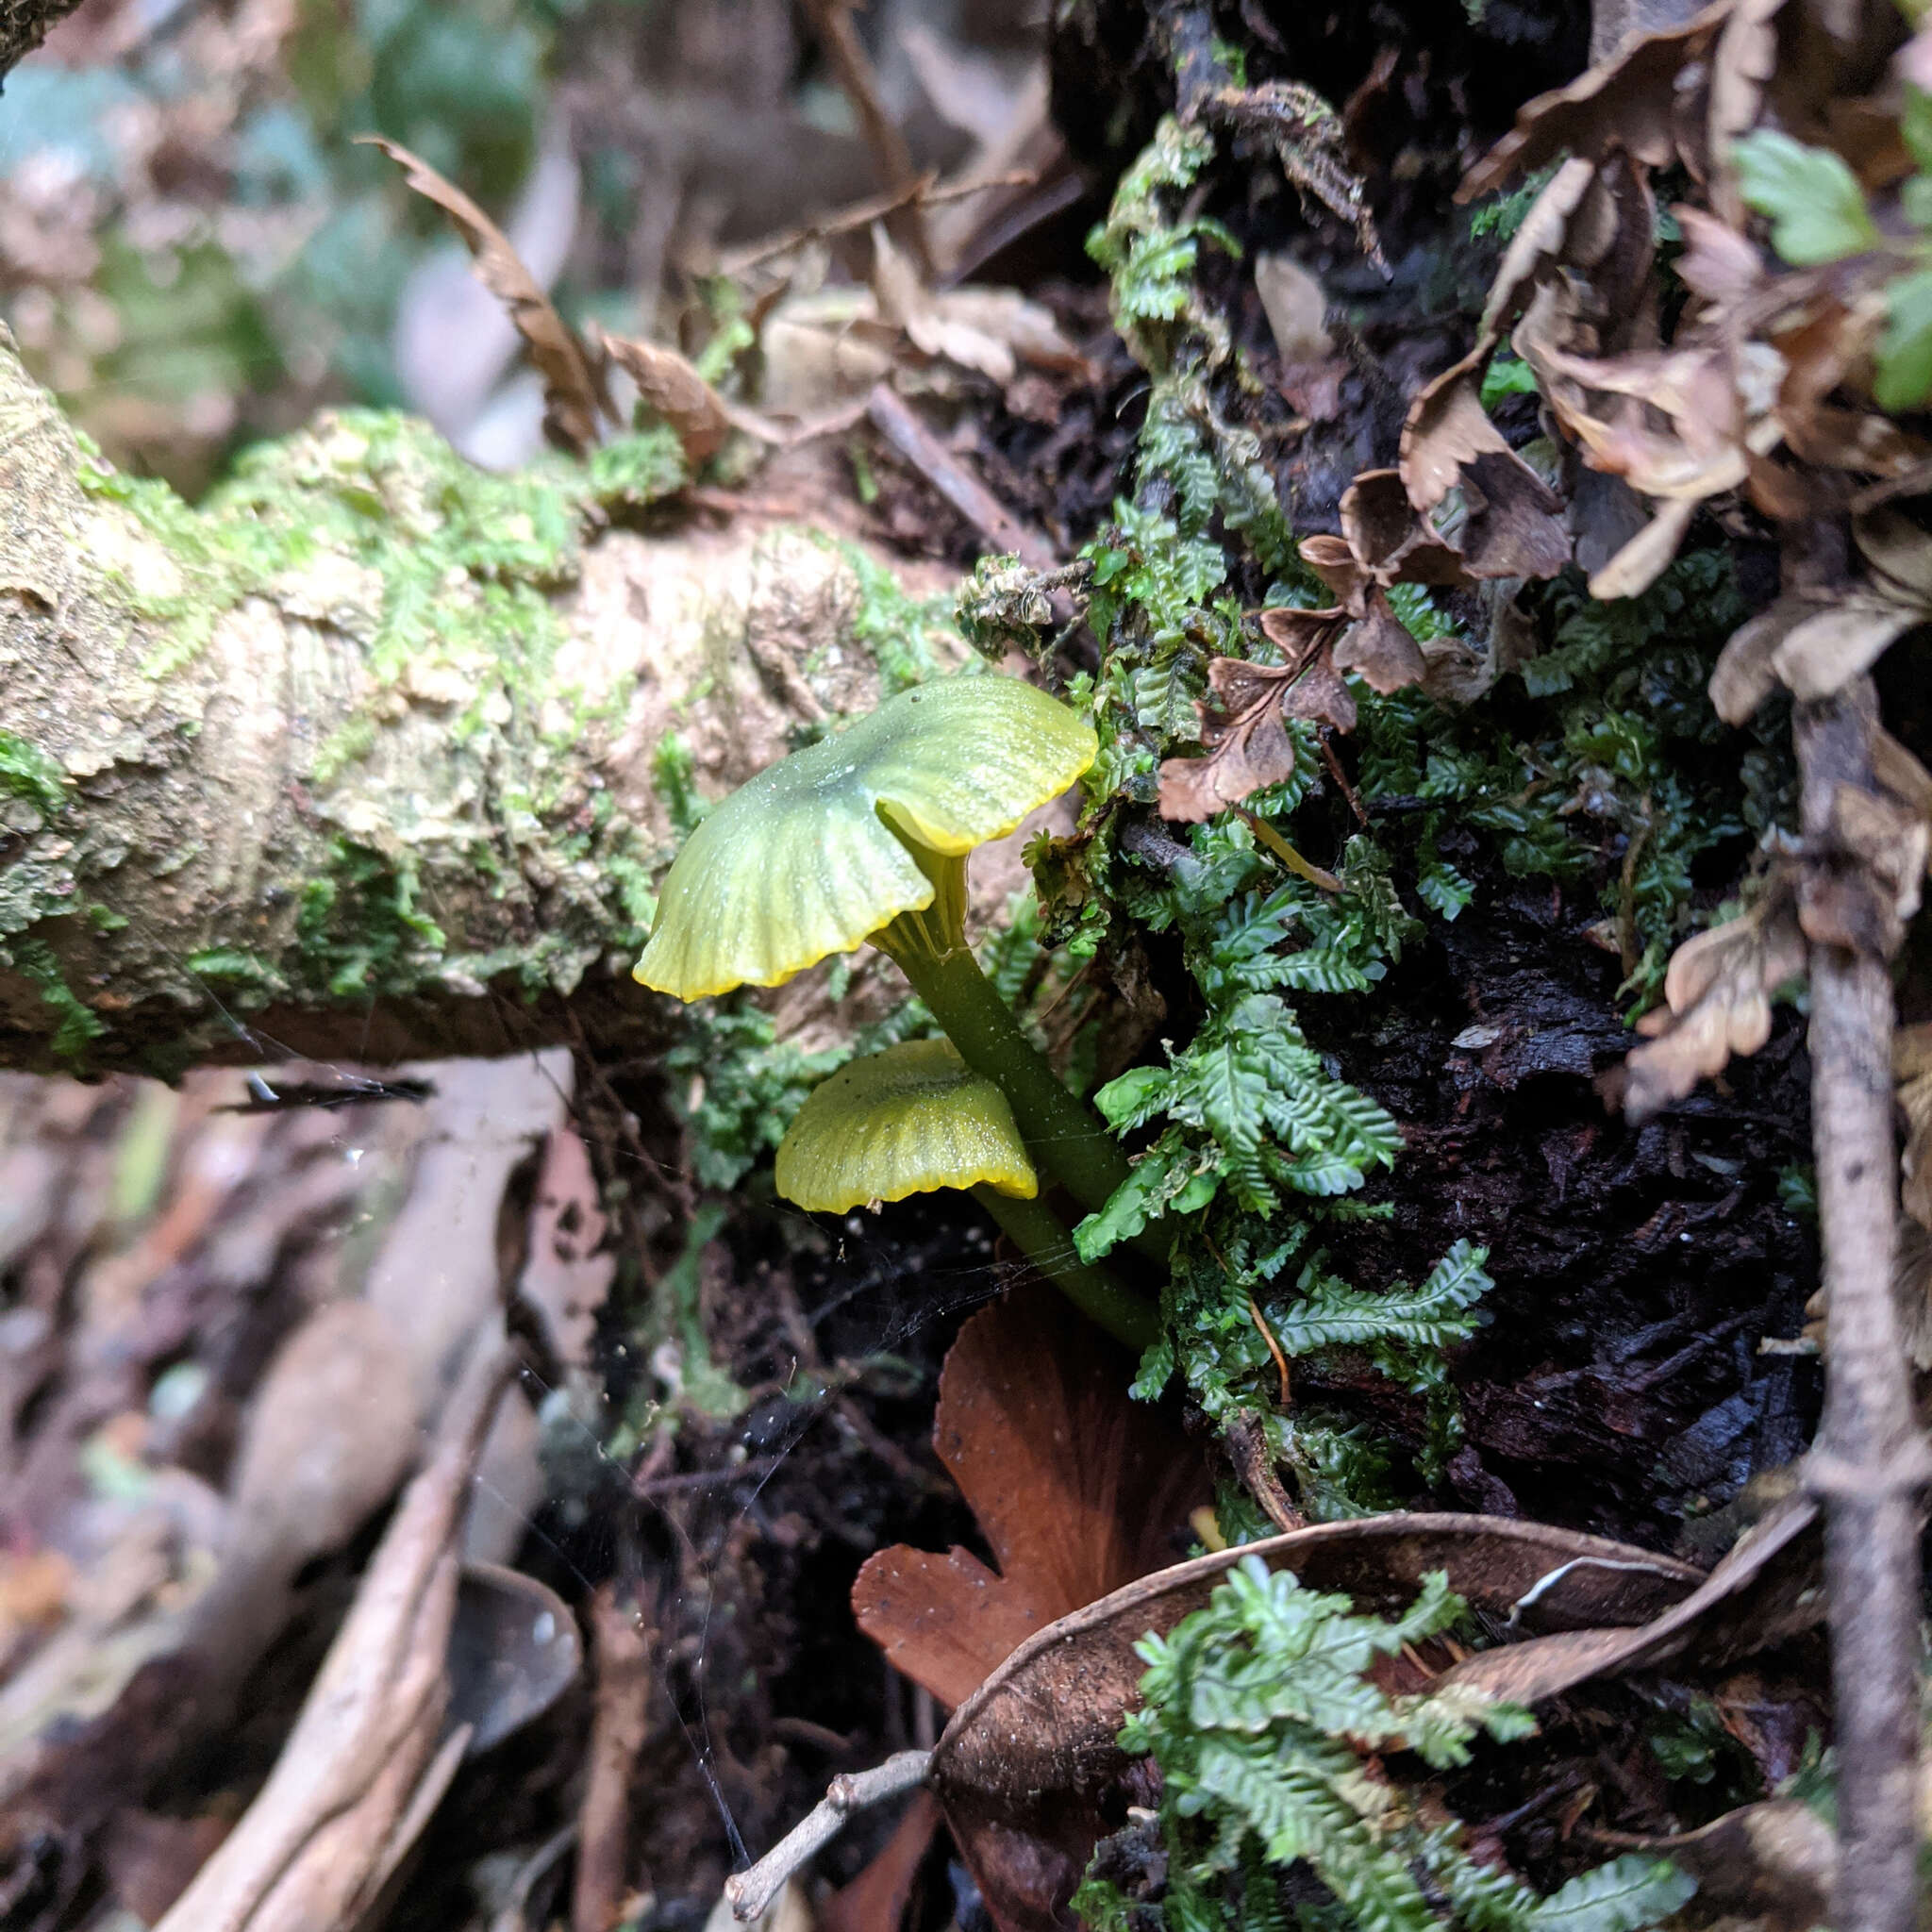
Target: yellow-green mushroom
(916,1119)
(865,837)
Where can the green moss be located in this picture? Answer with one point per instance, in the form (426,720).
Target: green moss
(637,469)
(461,557)
(26,771)
(677,1316)
(75,1025)
(674,775)
(901,633)
(348,744)
(253,978)
(358,930)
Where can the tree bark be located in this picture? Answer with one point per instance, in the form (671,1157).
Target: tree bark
(23,25)
(1870,1463)
(376,755)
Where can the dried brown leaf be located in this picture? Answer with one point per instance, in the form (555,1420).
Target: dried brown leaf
(1828,342)
(1388,540)
(345,1796)
(1718,263)
(1718,992)
(1248,745)
(1644,559)
(1076,1489)
(1740,67)
(1380,649)
(1447,425)
(1825,651)
(1512,524)
(1027,1766)
(1629,102)
(1335,562)
(1509,524)
(1746,671)
(1911,1067)
(877,1900)
(1542,239)
(1296,306)
(1899,552)
(574,399)
(1763,1591)
(1769,1865)
(668,384)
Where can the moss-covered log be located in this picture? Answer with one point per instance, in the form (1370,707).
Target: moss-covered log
(23,25)
(374,754)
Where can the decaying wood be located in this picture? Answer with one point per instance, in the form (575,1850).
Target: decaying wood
(240,822)
(23,25)
(368,1756)
(1871,1463)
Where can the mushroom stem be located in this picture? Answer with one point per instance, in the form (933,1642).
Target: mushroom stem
(1062,1133)
(1037,1232)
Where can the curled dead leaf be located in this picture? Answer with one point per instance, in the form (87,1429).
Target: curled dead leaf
(1027,1769)
(574,399)
(1630,101)
(1243,725)
(668,384)
(1763,1591)
(1387,540)
(1911,1067)
(1078,1490)
(1718,992)
(1380,649)
(1509,524)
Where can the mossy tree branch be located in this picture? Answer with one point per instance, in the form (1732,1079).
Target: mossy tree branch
(374,753)
(23,24)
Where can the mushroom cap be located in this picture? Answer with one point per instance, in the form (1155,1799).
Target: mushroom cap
(802,861)
(907,1121)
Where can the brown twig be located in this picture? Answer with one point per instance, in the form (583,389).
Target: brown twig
(1268,1336)
(1870,1463)
(751,1892)
(1247,1448)
(1341,777)
(927,191)
(911,439)
(621,1641)
(831,21)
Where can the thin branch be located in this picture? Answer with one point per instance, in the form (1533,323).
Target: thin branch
(832,22)
(916,445)
(1870,1464)
(751,1892)
(862,214)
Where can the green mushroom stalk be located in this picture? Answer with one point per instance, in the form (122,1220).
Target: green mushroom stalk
(865,837)
(916,1119)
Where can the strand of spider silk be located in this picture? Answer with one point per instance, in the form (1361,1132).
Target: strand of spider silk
(1062,1133)
(1036,1231)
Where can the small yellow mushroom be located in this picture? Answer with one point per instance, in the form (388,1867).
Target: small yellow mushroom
(908,1121)
(828,847)
(916,1119)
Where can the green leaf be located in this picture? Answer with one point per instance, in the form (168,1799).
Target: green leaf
(1623,1896)
(1817,209)
(1135,1097)
(1915,125)
(1905,354)
(1506,376)
(1161,1173)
